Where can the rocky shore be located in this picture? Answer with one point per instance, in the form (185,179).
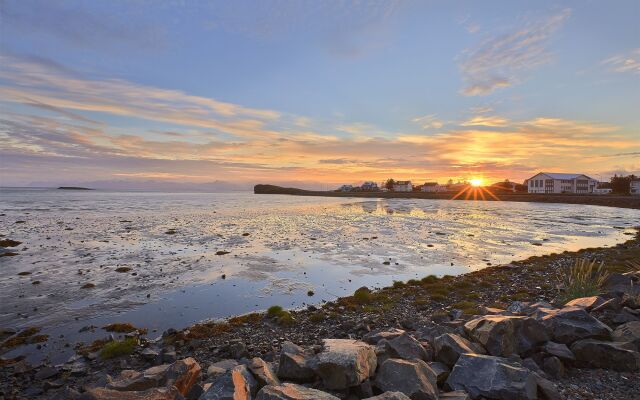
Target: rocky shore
(498,333)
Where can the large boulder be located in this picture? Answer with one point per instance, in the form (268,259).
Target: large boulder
(406,347)
(414,378)
(263,372)
(610,355)
(237,384)
(621,284)
(628,333)
(432,330)
(291,391)
(572,323)
(506,335)
(376,336)
(493,378)
(221,367)
(449,347)
(344,363)
(183,374)
(295,363)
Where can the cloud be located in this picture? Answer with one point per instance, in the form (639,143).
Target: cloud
(501,60)
(488,120)
(628,63)
(428,122)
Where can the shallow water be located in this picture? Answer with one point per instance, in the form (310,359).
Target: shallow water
(280,247)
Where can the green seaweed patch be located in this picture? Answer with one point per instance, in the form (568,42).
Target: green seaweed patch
(123,269)
(207,330)
(123,328)
(26,336)
(251,318)
(118,348)
(88,286)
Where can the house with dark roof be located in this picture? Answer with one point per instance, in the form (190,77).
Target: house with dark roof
(551,182)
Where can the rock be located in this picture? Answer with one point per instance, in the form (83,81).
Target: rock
(406,347)
(238,350)
(626,315)
(46,373)
(517,307)
(183,374)
(376,336)
(195,392)
(130,380)
(432,330)
(169,357)
(492,377)
(449,347)
(455,395)
(506,335)
(621,284)
(532,365)
(491,311)
(559,350)
(611,305)
(610,355)
(295,363)
(150,354)
(390,396)
(263,373)
(413,378)
(628,333)
(588,303)
(572,323)
(237,384)
(220,367)
(441,370)
(547,390)
(344,363)
(553,367)
(291,391)
(151,394)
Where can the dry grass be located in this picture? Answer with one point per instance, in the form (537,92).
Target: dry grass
(585,278)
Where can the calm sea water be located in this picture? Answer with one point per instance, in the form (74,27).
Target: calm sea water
(276,250)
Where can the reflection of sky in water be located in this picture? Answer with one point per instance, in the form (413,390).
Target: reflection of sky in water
(295,244)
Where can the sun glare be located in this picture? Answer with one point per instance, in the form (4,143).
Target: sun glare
(476,182)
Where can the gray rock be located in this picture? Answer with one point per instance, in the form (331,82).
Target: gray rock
(553,367)
(559,350)
(588,303)
(238,349)
(432,330)
(295,363)
(413,378)
(441,370)
(389,396)
(46,373)
(610,355)
(449,347)
(572,323)
(130,380)
(263,372)
(506,335)
(406,347)
(628,333)
(626,315)
(291,391)
(345,363)
(237,384)
(492,377)
(220,367)
(376,336)
(621,284)
(546,389)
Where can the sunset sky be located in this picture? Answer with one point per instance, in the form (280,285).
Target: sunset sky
(316,92)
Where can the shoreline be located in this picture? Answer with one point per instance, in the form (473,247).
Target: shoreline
(404,305)
(619,201)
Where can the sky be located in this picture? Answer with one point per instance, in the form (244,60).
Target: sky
(316,93)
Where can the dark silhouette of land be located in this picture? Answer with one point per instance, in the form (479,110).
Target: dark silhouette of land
(622,201)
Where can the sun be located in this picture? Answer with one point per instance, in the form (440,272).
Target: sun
(476,182)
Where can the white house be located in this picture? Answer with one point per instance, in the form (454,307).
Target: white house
(547,182)
(634,187)
(402,186)
(433,187)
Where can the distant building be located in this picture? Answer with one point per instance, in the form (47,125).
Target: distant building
(345,188)
(547,182)
(433,187)
(402,186)
(369,187)
(505,186)
(634,187)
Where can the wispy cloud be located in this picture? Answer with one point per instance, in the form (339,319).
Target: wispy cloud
(428,122)
(629,63)
(502,60)
(486,120)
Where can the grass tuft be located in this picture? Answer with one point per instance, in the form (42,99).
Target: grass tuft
(585,278)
